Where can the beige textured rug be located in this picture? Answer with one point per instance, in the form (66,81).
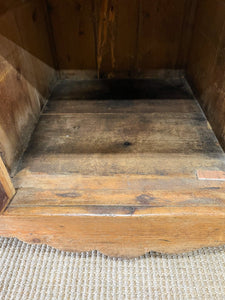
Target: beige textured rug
(41,272)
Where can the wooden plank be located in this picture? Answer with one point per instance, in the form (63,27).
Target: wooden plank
(27,179)
(119,133)
(72,24)
(170,88)
(117,36)
(187,33)
(10,4)
(180,106)
(7,190)
(26,76)
(98,211)
(185,195)
(122,163)
(129,234)
(160,33)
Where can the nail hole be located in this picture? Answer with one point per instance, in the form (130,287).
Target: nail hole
(126,144)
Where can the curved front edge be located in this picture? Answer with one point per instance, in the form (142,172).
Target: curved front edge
(119,236)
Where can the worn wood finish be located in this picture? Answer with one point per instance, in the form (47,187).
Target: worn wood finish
(7,190)
(105,164)
(151,88)
(206,63)
(72,24)
(121,36)
(158,229)
(113,191)
(119,176)
(130,133)
(26,75)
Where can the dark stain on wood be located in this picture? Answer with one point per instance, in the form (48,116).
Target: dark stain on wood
(69,195)
(36,241)
(111,210)
(127,144)
(34,15)
(212,188)
(145,199)
(122,89)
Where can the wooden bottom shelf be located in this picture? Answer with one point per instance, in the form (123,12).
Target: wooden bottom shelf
(119,176)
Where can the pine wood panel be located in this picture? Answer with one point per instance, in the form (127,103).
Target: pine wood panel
(105,164)
(9,4)
(86,155)
(157,229)
(115,191)
(117,106)
(74,33)
(119,176)
(7,190)
(119,133)
(121,36)
(206,63)
(26,75)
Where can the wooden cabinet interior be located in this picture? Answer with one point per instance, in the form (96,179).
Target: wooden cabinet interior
(99,127)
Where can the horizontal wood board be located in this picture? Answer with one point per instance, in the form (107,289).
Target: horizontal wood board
(118,153)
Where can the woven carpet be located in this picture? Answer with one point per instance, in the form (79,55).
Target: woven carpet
(41,272)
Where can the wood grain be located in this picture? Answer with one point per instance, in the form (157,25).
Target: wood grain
(10,4)
(74,195)
(163,230)
(7,190)
(206,63)
(72,24)
(26,75)
(123,133)
(105,89)
(125,37)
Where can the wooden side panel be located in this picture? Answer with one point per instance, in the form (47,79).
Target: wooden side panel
(7,5)
(26,72)
(7,190)
(125,37)
(206,66)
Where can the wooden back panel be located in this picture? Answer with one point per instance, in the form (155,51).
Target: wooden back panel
(128,36)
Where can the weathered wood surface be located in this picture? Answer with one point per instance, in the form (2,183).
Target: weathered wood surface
(126,106)
(160,88)
(121,36)
(159,229)
(7,190)
(105,164)
(109,134)
(120,128)
(119,176)
(206,64)
(26,74)
(68,190)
